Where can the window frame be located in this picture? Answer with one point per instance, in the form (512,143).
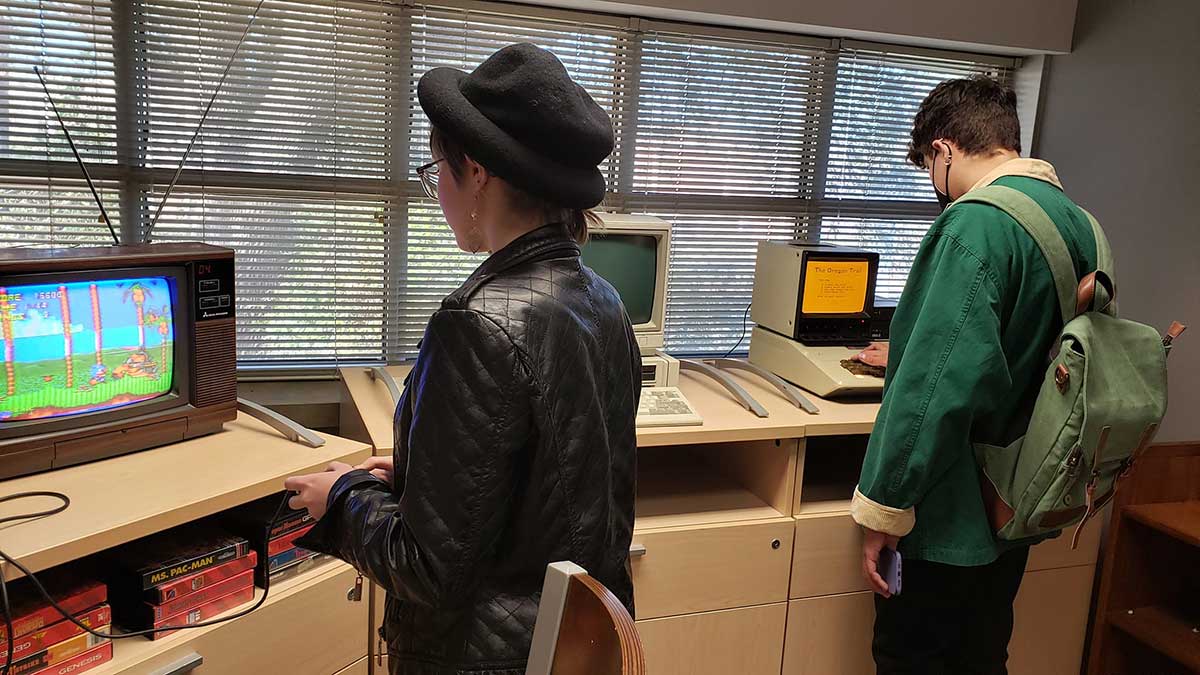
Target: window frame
(401,190)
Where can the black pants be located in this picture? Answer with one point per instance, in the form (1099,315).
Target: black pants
(949,620)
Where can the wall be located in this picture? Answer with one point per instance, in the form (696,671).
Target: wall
(1121,122)
(1009,27)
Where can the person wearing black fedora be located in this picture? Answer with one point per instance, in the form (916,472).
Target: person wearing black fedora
(515,436)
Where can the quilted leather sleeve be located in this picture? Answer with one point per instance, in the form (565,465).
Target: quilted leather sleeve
(470,403)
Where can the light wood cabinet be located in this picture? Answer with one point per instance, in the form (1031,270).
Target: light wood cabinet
(707,567)
(828,556)
(747,641)
(830,635)
(714,593)
(1056,553)
(305,628)
(376,647)
(1050,618)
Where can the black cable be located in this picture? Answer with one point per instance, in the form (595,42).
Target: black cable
(745,320)
(7,608)
(8,619)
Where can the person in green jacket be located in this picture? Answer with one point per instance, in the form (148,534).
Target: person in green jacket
(968,349)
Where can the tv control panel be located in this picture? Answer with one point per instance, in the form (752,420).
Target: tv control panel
(213,292)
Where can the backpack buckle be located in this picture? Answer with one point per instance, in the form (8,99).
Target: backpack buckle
(1062,378)
(1126,468)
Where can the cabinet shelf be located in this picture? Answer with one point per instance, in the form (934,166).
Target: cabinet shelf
(132,652)
(681,490)
(1180,520)
(117,500)
(1163,629)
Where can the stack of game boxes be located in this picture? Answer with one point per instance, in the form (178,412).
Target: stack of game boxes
(45,642)
(274,537)
(180,577)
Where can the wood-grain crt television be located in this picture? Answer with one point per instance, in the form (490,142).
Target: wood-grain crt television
(105,351)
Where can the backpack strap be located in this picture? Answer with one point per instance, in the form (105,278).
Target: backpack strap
(1105,264)
(1033,218)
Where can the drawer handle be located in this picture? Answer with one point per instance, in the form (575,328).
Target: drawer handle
(637,550)
(775,544)
(185,665)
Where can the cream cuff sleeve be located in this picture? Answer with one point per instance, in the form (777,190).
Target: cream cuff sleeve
(886,519)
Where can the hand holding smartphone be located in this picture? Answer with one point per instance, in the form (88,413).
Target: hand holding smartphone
(889,569)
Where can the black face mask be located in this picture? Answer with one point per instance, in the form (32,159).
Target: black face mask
(943,198)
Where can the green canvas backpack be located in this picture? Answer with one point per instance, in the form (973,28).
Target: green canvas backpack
(1103,397)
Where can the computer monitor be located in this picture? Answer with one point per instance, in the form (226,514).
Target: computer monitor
(815,293)
(631,253)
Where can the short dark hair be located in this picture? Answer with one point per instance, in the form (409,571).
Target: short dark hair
(575,220)
(977,113)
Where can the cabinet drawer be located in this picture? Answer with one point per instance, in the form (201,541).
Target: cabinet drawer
(711,567)
(827,558)
(314,630)
(1050,618)
(745,641)
(830,635)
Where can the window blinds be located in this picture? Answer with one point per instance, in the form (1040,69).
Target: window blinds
(305,164)
(872,197)
(72,43)
(429,265)
(41,211)
(725,148)
(294,167)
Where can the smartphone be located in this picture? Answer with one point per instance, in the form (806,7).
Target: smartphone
(889,569)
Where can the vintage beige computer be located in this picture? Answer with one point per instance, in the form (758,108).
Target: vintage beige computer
(813,307)
(632,254)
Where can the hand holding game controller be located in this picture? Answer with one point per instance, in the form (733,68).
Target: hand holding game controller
(312,490)
(383,468)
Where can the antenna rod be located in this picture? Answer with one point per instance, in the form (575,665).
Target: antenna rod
(203,117)
(86,175)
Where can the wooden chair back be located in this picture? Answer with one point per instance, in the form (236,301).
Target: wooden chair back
(582,629)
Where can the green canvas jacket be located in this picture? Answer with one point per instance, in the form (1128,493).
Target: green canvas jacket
(969,347)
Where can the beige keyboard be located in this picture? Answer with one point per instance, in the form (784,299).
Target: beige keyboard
(665,407)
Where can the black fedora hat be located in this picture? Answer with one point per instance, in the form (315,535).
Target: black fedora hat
(521,116)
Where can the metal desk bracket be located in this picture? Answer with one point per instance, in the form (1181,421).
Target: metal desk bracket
(724,380)
(184,665)
(789,392)
(291,429)
(379,373)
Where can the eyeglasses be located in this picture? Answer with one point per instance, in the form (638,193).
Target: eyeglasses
(428,173)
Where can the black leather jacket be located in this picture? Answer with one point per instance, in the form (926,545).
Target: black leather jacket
(515,448)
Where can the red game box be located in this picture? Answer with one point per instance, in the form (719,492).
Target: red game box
(85,661)
(58,654)
(204,612)
(31,612)
(280,544)
(190,584)
(34,642)
(153,613)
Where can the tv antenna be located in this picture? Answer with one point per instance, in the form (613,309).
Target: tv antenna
(82,166)
(187,151)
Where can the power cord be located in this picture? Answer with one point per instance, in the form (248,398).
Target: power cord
(745,320)
(66,501)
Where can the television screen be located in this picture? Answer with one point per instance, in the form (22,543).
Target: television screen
(82,346)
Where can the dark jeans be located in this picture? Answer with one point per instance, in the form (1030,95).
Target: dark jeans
(949,620)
